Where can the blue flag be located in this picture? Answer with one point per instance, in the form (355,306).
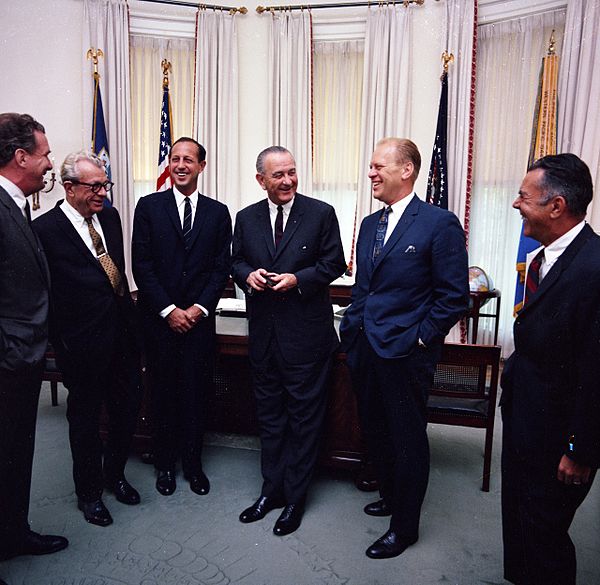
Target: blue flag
(99,137)
(437,182)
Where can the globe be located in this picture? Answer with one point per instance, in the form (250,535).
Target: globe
(479,281)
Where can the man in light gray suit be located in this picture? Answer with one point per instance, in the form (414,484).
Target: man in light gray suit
(24,287)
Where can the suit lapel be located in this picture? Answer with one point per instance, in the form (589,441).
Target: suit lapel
(561,264)
(172,213)
(264,225)
(408,217)
(292,224)
(199,219)
(65,225)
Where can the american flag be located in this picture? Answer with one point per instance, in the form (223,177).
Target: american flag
(437,182)
(164,176)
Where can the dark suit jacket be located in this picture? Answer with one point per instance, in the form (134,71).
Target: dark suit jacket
(551,383)
(86,315)
(167,273)
(418,286)
(301,319)
(24,290)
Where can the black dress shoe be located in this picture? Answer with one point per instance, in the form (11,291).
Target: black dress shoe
(124,492)
(378,508)
(290,519)
(32,543)
(199,483)
(391,544)
(260,509)
(165,482)
(95,512)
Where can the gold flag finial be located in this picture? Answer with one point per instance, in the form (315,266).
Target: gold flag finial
(552,44)
(447,58)
(166,67)
(94,54)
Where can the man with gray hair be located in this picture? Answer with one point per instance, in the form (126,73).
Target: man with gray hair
(24,283)
(286,252)
(94,331)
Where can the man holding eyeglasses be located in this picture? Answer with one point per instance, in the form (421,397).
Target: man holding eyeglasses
(93,330)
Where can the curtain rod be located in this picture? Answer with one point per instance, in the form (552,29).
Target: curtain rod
(230,9)
(261,9)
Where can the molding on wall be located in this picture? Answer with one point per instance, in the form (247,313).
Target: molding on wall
(496,10)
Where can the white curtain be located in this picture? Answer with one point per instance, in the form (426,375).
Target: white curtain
(106,27)
(146,97)
(216,105)
(290,100)
(387,89)
(509,62)
(337,94)
(579,92)
(460,34)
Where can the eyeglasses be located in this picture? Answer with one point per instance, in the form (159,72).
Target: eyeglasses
(96,187)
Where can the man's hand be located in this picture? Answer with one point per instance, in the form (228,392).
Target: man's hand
(180,321)
(570,472)
(256,279)
(284,281)
(195,314)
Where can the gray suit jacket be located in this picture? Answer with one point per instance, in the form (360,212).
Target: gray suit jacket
(24,290)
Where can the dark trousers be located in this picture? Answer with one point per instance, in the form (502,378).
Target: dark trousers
(181,375)
(290,400)
(392,398)
(117,386)
(537,511)
(19,395)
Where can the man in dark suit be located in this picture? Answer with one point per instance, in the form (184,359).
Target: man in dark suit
(411,288)
(181,264)
(551,390)
(286,252)
(93,331)
(24,301)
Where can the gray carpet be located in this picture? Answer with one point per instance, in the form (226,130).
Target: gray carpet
(187,539)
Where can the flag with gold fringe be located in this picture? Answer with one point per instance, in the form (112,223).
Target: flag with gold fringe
(164,175)
(543,142)
(437,183)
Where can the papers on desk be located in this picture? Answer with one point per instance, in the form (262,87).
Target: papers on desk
(231,308)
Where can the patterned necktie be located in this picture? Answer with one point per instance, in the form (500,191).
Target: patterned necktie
(279,226)
(380,232)
(533,276)
(187,222)
(105,260)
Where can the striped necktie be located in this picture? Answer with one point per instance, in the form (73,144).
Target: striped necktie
(187,222)
(533,276)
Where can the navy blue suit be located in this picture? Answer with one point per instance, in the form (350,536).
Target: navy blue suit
(417,288)
(96,339)
(550,398)
(291,335)
(168,272)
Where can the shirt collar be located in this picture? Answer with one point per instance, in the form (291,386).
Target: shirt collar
(287,207)
(558,246)
(15,192)
(400,206)
(180,197)
(74,215)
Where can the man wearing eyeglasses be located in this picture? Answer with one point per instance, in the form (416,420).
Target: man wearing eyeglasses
(94,331)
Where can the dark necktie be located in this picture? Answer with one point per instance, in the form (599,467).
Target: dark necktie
(105,260)
(533,276)
(187,222)
(279,226)
(27,211)
(380,232)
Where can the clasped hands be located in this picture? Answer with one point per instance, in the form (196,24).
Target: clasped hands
(181,321)
(570,472)
(261,279)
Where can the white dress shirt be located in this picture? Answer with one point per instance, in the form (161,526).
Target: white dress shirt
(81,226)
(395,214)
(287,207)
(15,192)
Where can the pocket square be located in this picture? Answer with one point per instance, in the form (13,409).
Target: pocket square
(410,250)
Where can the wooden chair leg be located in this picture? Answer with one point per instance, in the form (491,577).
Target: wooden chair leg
(54,393)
